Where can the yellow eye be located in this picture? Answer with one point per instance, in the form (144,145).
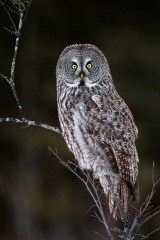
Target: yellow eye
(89,65)
(74,65)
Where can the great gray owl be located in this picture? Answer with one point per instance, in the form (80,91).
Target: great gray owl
(96,123)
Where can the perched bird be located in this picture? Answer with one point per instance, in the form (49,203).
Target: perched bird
(96,123)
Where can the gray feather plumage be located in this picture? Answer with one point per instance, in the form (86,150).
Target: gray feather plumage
(96,123)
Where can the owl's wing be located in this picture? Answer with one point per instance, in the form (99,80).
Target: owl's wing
(112,124)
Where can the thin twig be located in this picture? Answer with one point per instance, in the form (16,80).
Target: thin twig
(147,211)
(15,29)
(100,207)
(88,182)
(31,123)
(150,233)
(13,64)
(3,3)
(20,9)
(132,224)
(99,235)
(28,6)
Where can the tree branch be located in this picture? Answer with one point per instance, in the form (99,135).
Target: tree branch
(21,7)
(31,123)
(132,224)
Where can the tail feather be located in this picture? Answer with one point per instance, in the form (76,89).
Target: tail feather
(122,190)
(124,195)
(112,206)
(134,191)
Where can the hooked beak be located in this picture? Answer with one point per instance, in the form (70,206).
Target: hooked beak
(82,76)
(82,82)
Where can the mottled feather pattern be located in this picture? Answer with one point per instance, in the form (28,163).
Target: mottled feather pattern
(98,126)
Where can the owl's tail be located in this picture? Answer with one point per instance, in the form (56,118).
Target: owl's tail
(117,196)
(118,200)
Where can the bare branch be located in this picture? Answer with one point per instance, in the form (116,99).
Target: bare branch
(99,235)
(11,80)
(147,211)
(21,8)
(14,26)
(3,3)
(131,224)
(90,186)
(31,123)
(145,237)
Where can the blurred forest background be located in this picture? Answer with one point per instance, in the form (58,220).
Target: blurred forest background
(39,198)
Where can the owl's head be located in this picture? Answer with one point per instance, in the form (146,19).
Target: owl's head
(82,65)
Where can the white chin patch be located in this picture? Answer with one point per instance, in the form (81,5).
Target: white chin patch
(90,84)
(72,84)
(78,83)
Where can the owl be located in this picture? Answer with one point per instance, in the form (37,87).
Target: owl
(96,123)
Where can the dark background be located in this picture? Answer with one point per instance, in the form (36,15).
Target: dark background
(39,198)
